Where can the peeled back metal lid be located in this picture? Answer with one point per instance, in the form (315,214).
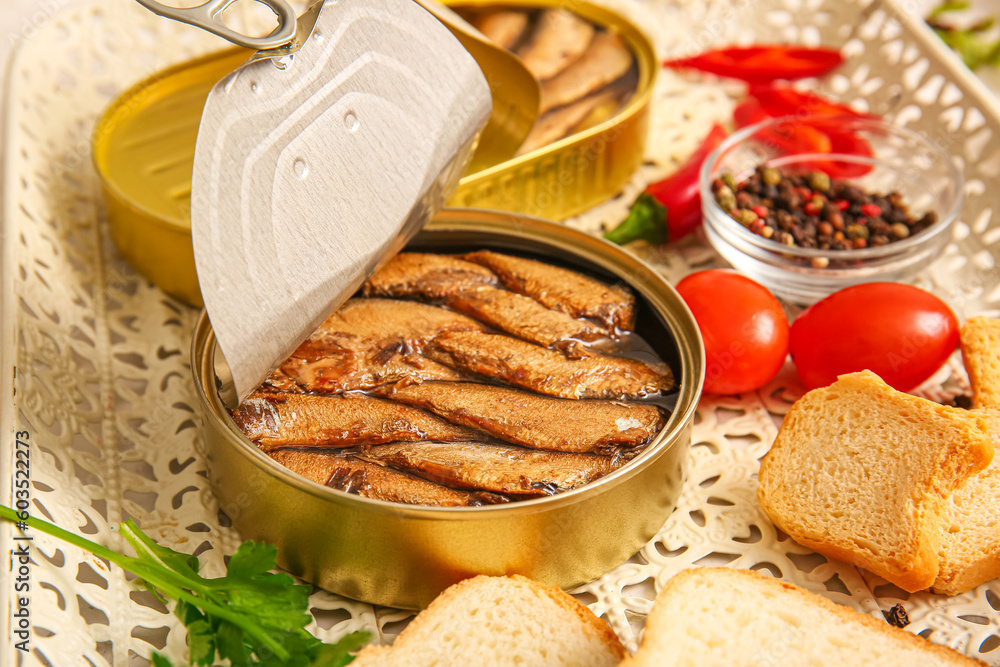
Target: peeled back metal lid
(313,167)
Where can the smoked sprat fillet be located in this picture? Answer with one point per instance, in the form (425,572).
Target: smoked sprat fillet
(560,37)
(558,123)
(369,342)
(545,371)
(498,468)
(503,27)
(540,422)
(370,480)
(525,318)
(471,289)
(304,420)
(426,275)
(561,289)
(585,72)
(391,319)
(462,381)
(607,59)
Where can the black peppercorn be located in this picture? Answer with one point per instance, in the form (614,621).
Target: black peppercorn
(811,210)
(897,616)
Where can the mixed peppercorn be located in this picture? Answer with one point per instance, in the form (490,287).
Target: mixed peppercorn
(812,211)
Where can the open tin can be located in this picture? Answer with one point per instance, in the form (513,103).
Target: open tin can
(403,555)
(143,148)
(584,169)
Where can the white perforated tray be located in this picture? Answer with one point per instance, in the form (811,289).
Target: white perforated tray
(104,387)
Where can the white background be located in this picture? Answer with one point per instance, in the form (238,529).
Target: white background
(18,16)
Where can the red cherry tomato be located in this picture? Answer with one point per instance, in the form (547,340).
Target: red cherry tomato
(744,328)
(899,332)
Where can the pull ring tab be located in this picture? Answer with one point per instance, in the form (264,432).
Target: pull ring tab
(209,17)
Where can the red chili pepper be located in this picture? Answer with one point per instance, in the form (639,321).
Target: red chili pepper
(763,63)
(801,136)
(749,112)
(789,137)
(847,143)
(796,138)
(786,101)
(843,204)
(679,191)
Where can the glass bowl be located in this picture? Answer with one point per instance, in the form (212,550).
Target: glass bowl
(902,161)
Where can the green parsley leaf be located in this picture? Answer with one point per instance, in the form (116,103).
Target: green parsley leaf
(251,617)
(338,655)
(201,643)
(181,563)
(229,642)
(252,559)
(158,660)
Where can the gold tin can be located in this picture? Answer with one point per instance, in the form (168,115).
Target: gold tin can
(576,173)
(403,556)
(143,148)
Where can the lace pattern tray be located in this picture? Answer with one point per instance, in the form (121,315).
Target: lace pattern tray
(104,389)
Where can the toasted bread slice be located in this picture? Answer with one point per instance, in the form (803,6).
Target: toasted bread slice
(980,342)
(970,538)
(708,617)
(500,621)
(861,472)
(970,541)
